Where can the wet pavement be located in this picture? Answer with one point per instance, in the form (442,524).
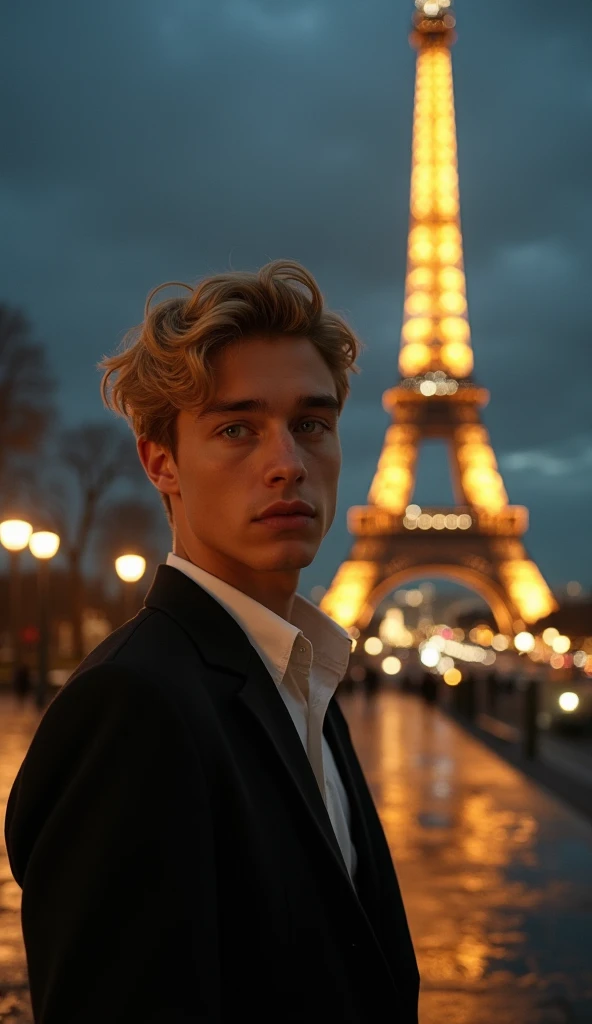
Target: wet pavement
(17,726)
(496,875)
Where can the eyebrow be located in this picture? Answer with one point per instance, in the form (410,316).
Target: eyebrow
(323,401)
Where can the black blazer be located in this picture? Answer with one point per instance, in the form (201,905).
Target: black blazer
(177,861)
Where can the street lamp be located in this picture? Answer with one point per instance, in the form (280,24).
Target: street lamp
(44,546)
(130,569)
(14,536)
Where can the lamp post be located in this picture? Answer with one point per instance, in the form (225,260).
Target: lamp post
(44,546)
(130,569)
(14,536)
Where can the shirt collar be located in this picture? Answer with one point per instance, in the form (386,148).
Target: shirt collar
(271,636)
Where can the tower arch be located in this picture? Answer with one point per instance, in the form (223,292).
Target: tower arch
(491,592)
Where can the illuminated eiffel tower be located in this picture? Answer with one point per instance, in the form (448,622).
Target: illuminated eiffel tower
(479,541)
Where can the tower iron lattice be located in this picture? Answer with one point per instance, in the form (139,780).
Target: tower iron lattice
(478,542)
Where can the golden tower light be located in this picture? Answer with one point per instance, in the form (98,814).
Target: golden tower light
(436,334)
(436,362)
(348,592)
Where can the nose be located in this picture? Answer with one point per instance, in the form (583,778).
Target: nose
(283,459)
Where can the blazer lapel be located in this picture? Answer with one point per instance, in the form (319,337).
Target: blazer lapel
(366,879)
(261,698)
(224,645)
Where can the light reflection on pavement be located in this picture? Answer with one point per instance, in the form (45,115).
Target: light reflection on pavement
(17,726)
(496,875)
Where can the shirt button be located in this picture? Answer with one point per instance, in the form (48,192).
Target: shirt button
(302,650)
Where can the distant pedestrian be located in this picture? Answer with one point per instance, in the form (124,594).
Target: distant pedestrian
(22,683)
(371,681)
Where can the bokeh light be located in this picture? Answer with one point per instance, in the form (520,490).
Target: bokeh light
(569,701)
(524,642)
(373,645)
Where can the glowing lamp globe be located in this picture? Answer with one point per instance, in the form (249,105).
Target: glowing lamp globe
(130,568)
(44,544)
(15,534)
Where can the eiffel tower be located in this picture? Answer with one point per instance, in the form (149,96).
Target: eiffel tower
(478,542)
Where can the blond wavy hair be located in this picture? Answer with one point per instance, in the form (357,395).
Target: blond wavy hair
(165,364)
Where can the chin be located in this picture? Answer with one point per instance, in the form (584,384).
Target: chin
(289,558)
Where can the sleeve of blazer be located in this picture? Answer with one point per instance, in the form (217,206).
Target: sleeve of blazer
(109,835)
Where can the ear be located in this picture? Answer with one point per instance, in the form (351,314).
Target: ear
(159,465)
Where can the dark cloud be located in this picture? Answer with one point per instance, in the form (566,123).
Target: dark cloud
(148,141)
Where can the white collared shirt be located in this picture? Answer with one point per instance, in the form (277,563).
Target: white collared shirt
(307,659)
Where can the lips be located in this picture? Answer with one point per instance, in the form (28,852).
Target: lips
(288,509)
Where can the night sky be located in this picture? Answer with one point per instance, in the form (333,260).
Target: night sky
(150,140)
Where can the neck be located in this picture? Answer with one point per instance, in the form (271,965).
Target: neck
(274,590)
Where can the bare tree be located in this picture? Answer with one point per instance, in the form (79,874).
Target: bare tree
(26,393)
(96,458)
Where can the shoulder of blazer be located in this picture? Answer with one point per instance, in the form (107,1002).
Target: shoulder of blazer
(146,642)
(222,643)
(179,619)
(97,714)
(150,651)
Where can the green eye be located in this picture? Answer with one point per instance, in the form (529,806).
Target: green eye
(236,427)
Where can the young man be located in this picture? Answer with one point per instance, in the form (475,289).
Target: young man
(191,827)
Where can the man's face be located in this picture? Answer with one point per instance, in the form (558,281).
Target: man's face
(268,435)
